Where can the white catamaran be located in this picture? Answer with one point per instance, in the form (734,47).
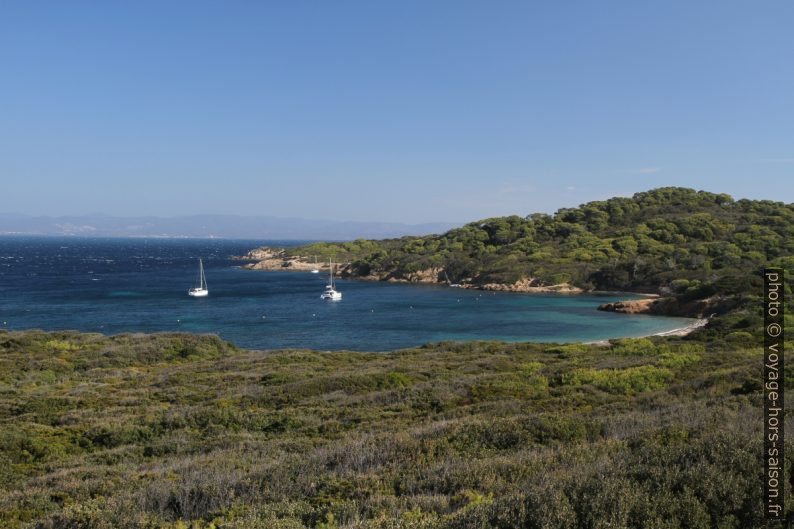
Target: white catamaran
(330,293)
(201,290)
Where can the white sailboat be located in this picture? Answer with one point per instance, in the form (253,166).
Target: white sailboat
(201,290)
(330,292)
(315,270)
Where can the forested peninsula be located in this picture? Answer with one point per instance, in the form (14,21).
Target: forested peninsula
(704,251)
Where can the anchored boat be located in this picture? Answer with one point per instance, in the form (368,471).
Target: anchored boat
(330,292)
(201,290)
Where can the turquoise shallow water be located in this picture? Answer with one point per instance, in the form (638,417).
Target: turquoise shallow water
(140,285)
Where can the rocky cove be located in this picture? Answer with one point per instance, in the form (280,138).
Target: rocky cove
(266,258)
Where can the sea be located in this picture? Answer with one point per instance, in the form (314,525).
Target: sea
(120,285)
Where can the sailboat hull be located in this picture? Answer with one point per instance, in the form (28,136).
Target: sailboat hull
(331,295)
(198,292)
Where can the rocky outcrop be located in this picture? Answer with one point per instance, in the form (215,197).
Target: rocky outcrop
(270,259)
(278,263)
(531,285)
(429,275)
(668,307)
(260,254)
(635,306)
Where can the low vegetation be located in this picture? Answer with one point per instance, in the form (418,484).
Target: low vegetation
(181,431)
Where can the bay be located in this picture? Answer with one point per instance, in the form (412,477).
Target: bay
(140,285)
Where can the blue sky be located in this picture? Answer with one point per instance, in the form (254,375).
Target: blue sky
(395,111)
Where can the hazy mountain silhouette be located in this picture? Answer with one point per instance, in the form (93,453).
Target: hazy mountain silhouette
(223,226)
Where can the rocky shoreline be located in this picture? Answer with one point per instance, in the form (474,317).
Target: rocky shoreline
(277,259)
(667,306)
(271,259)
(529,285)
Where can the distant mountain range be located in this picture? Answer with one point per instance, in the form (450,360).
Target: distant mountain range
(221,226)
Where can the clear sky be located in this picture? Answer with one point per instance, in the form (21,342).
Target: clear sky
(407,111)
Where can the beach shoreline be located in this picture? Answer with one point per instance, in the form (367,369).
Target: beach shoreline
(699,323)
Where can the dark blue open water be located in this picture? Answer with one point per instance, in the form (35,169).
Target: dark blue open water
(122,285)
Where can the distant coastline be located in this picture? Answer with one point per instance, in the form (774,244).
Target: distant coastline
(254,227)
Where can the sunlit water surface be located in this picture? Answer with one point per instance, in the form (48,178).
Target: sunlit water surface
(140,285)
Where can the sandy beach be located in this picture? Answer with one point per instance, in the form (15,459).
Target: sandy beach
(680,331)
(683,331)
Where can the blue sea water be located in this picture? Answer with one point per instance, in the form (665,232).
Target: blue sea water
(140,285)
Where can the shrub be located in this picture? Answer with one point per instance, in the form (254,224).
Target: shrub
(626,381)
(678,360)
